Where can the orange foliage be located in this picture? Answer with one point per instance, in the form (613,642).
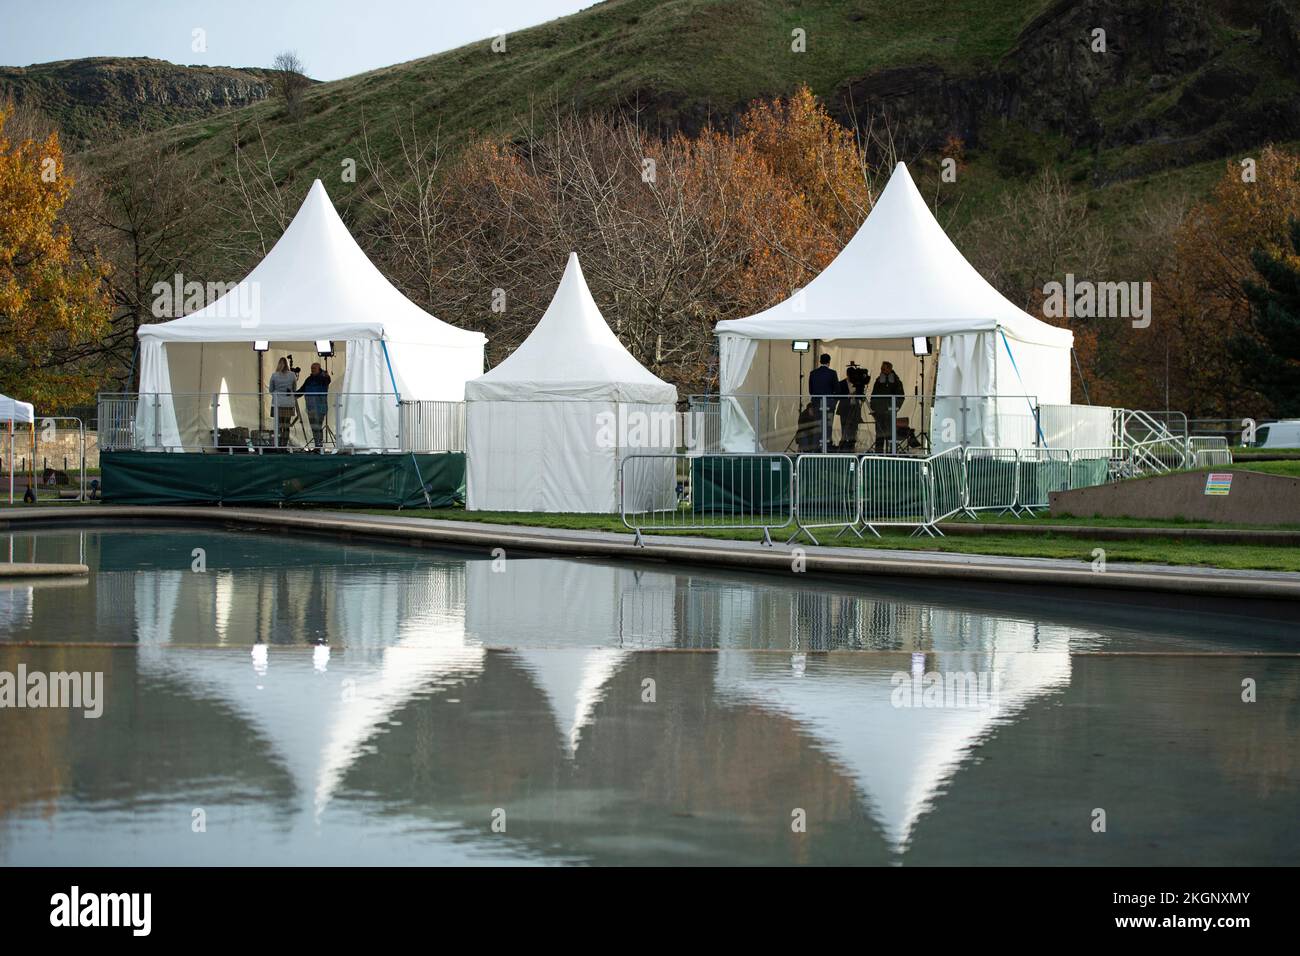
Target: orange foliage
(1200,305)
(47,300)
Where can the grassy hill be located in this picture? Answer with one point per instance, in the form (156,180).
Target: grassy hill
(1183,83)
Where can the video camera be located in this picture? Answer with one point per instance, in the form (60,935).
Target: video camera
(293,368)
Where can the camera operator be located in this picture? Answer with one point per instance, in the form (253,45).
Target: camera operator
(314,390)
(284,398)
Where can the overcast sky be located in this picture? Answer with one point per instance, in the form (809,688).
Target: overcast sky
(334,38)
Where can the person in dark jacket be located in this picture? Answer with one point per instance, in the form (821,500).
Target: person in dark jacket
(850,407)
(823,386)
(886,398)
(314,390)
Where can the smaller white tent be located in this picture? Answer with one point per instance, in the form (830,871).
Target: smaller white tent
(900,277)
(547,428)
(16,412)
(314,285)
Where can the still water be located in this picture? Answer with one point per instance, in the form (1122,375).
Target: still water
(269,699)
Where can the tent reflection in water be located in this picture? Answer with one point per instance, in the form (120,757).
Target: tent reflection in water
(900,277)
(404,638)
(314,285)
(547,428)
(902,758)
(571,627)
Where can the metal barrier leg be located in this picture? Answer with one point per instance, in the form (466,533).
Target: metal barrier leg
(798,531)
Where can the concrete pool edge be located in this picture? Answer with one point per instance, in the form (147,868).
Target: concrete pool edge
(17,569)
(741,555)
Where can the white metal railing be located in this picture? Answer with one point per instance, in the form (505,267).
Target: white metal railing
(433,426)
(854,423)
(1074,426)
(255,423)
(1207,451)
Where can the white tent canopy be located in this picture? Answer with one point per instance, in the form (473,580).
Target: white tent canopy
(16,412)
(315,284)
(900,277)
(547,428)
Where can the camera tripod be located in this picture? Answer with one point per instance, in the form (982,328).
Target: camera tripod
(326,433)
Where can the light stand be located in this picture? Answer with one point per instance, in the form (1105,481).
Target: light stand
(921,348)
(325,350)
(260,347)
(800,346)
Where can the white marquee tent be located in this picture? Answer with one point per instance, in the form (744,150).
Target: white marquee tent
(547,428)
(315,284)
(16,412)
(899,278)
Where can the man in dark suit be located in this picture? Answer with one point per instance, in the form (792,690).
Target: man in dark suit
(823,386)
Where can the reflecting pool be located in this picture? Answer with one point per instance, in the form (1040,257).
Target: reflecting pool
(270,699)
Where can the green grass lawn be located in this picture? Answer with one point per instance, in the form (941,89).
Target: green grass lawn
(1290,468)
(1044,544)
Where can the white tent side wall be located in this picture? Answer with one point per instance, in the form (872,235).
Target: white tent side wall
(547,429)
(967,367)
(558,457)
(155,416)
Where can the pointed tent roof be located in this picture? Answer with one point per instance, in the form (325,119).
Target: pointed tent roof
(315,283)
(573,680)
(901,758)
(899,276)
(571,356)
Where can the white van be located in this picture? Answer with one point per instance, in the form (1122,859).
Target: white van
(1278,435)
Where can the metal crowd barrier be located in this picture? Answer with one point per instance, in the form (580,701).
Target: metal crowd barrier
(892,489)
(680,492)
(850,492)
(828,494)
(38,473)
(1096,466)
(1041,471)
(1208,451)
(992,480)
(946,473)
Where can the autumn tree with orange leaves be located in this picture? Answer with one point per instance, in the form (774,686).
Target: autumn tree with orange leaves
(1201,304)
(49,300)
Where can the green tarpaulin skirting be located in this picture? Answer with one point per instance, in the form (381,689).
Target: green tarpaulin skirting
(740,484)
(155,478)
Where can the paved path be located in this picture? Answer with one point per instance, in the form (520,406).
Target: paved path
(747,555)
